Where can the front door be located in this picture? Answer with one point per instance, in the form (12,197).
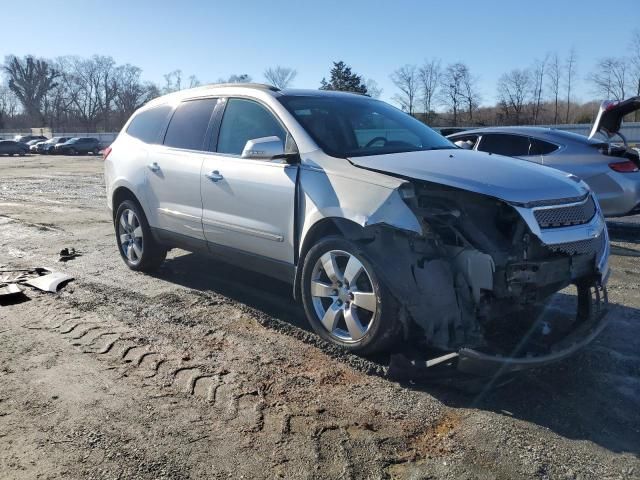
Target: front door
(248,205)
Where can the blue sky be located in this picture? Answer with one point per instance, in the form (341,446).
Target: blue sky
(213,39)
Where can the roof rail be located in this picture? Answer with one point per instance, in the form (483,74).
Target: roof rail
(262,86)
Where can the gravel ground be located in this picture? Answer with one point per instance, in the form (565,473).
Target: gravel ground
(207,371)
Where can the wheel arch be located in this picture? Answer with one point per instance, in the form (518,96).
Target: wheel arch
(321,229)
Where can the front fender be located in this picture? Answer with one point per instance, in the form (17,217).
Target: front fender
(324,195)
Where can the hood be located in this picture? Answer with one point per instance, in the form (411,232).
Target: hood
(609,118)
(515,181)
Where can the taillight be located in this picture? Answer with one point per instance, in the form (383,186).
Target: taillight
(105,153)
(624,167)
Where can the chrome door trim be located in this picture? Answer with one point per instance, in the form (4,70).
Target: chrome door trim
(177,214)
(241,229)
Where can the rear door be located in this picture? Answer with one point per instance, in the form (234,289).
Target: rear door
(248,204)
(174,169)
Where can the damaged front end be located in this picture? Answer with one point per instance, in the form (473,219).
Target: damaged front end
(480,279)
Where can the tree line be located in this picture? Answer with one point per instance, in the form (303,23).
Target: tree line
(97,94)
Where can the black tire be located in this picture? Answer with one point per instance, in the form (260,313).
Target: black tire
(152,254)
(383,326)
(72,151)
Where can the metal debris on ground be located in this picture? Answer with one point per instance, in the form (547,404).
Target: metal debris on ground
(9,292)
(50,282)
(67,254)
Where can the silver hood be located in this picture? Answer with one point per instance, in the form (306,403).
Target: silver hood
(515,181)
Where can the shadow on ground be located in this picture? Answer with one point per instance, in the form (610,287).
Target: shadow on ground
(593,396)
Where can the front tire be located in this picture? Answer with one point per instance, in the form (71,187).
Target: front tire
(136,245)
(344,300)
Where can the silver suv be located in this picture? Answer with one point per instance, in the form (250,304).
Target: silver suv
(384,228)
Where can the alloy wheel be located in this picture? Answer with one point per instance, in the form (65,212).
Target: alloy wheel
(130,234)
(343,295)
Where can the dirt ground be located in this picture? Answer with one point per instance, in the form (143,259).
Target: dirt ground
(208,371)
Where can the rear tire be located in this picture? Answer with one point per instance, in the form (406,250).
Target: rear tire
(136,244)
(344,300)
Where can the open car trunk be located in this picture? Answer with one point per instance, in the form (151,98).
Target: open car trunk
(609,119)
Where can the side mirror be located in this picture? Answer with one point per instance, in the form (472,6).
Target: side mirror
(265,148)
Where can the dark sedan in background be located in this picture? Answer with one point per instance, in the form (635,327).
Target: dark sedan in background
(611,170)
(11,147)
(78,145)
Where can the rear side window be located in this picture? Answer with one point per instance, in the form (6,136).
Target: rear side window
(540,147)
(246,120)
(146,125)
(503,144)
(189,124)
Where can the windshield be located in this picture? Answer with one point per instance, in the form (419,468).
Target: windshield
(358,126)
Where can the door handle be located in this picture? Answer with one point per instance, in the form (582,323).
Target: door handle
(214,176)
(154,167)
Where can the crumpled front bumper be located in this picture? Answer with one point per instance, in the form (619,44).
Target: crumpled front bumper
(479,363)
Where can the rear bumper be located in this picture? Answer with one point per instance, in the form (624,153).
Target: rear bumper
(479,363)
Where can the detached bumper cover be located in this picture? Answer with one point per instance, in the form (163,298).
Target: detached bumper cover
(479,363)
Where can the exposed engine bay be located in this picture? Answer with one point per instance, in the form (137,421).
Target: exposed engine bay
(479,277)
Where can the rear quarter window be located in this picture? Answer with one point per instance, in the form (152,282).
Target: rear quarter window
(540,147)
(146,125)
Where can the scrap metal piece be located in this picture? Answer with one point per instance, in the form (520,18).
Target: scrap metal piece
(68,254)
(10,290)
(49,282)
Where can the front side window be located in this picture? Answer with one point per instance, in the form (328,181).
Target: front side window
(246,120)
(504,144)
(467,142)
(189,124)
(146,125)
(352,126)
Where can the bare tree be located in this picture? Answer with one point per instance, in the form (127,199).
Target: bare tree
(131,92)
(570,71)
(634,50)
(280,77)
(538,74)
(429,77)
(373,89)
(8,105)
(236,78)
(513,90)
(453,91)
(609,78)
(193,81)
(30,79)
(406,79)
(554,76)
(173,81)
(470,94)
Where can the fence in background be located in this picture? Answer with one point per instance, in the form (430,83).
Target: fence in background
(631,130)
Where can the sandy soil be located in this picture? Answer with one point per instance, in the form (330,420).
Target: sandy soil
(208,371)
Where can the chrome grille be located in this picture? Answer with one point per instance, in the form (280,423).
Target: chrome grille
(580,247)
(566,216)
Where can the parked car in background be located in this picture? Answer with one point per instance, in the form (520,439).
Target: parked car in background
(612,171)
(28,138)
(11,147)
(78,145)
(47,147)
(383,227)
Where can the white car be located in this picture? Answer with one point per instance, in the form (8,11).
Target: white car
(382,226)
